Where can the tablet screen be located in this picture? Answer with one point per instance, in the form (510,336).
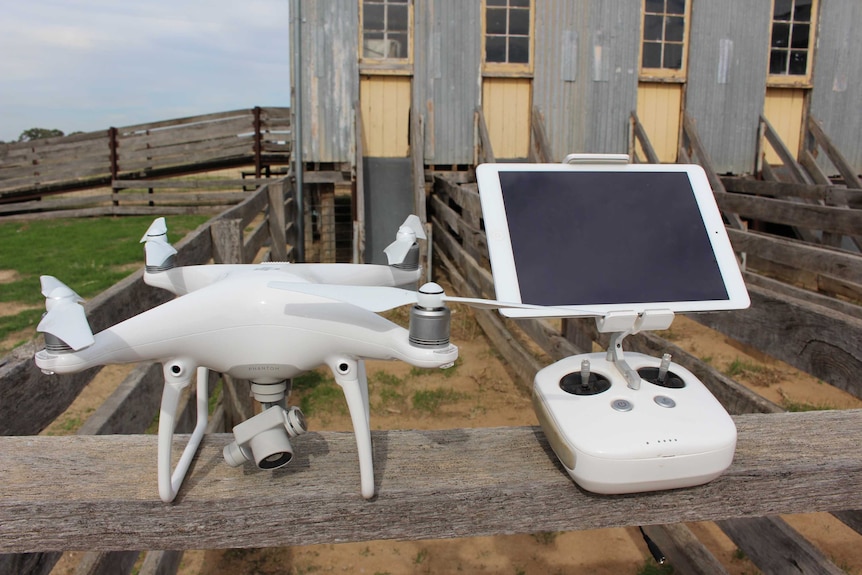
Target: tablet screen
(627,237)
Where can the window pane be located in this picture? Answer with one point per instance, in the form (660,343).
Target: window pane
(397,21)
(519,22)
(672,56)
(803,11)
(495,49)
(398,1)
(651,55)
(519,50)
(373,45)
(676,6)
(780,35)
(372,16)
(495,20)
(673,28)
(520,3)
(798,62)
(778,62)
(782,9)
(495,2)
(398,45)
(800,36)
(655,6)
(652,27)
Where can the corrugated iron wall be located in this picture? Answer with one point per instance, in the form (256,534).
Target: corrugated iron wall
(728,55)
(585,77)
(330,79)
(585,81)
(836,99)
(446,82)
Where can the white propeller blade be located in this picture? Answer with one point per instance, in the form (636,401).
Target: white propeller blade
(65,318)
(156,246)
(404,239)
(430,295)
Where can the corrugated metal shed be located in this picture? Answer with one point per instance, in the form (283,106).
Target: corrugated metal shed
(836,100)
(330,79)
(447,72)
(728,57)
(585,81)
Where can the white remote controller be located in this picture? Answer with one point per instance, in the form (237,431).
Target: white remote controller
(670,432)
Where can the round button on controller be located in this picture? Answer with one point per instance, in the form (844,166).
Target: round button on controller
(622,405)
(664,401)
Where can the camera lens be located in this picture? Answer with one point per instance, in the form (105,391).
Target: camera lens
(275,460)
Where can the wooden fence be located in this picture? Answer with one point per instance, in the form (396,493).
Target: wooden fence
(431,484)
(260,137)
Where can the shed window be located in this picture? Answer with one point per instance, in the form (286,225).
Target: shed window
(385,29)
(507,31)
(792,36)
(664,33)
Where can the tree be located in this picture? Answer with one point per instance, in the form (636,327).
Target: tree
(38,133)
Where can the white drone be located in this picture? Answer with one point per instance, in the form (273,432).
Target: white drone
(266,323)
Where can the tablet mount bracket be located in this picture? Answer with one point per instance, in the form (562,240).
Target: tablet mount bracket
(624,323)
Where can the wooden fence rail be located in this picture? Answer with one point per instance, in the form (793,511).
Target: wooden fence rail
(431,484)
(258,136)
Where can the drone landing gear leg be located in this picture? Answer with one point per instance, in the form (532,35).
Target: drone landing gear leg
(178,375)
(350,375)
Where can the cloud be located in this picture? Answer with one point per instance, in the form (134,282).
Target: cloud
(91,64)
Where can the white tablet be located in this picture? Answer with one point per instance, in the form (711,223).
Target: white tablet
(607,237)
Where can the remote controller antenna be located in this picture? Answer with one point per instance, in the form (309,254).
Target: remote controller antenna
(663,367)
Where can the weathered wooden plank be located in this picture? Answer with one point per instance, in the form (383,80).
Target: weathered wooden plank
(642,138)
(779,287)
(132,407)
(826,192)
(851,178)
(188,198)
(820,341)
(173,122)
(431,484)
(683,550)
(839,220)
(486,150)
(179,184)
(776,548)
(801,255)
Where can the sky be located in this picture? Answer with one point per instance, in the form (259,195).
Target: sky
(87,65)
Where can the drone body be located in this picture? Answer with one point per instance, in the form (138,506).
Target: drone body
(247,321)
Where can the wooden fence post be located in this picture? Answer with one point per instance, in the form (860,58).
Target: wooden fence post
(227,249)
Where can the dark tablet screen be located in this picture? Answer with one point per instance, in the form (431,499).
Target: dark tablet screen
(582,238)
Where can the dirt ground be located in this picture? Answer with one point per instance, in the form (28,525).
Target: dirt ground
(479,392)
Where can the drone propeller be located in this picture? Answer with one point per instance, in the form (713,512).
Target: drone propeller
(406,236)
(65,318)
(430,295)
(159,252)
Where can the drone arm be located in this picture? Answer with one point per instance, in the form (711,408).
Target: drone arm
(350,375)
(177,377)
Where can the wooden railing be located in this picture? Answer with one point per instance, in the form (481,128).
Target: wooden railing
(258,137)
(494,481)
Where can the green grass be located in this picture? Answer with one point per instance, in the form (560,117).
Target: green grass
(741,367)
(319,394)
(431,400)
(87,254)
(650,567)
(798,406)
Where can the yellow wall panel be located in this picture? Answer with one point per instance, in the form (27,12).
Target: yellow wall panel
(784,109)
(506,103)
(385,105)
(659,106)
